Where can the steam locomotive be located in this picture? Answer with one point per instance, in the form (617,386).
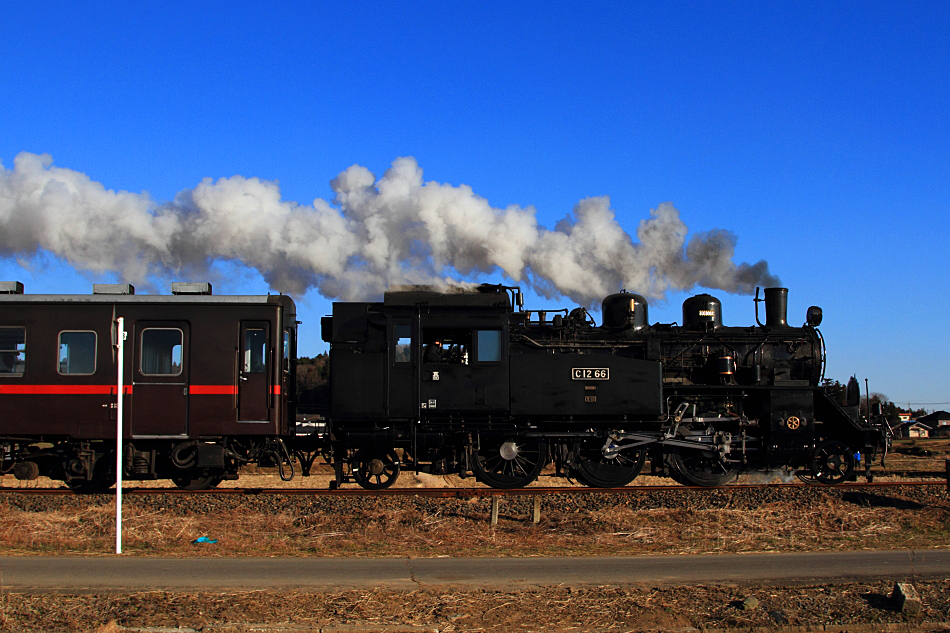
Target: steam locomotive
(469,382)
(465,382)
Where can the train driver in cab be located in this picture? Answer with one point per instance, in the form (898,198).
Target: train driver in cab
(433,352)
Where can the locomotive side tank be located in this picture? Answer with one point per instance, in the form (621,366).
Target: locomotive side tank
(470,382)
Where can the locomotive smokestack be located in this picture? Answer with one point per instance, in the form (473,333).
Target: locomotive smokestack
(776,307)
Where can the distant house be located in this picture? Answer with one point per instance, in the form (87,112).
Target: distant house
(903,417)
(911,428)
(938,422)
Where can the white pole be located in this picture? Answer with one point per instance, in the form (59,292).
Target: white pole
(120,346)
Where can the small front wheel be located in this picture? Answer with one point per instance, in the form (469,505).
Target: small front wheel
(832,462)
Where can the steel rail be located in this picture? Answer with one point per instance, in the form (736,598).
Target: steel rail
(466,493)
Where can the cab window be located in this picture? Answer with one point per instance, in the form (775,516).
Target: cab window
(402,352)
(488,346)
(446,346)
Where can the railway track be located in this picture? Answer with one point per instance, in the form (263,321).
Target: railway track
(464,493)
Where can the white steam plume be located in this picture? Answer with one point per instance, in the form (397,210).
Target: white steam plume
(374,234)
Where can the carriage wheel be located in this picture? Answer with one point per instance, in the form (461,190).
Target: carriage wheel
(189,481)
(375,469)
(594,469)
(832,462)
(103,477)
(507,463)
(701,468)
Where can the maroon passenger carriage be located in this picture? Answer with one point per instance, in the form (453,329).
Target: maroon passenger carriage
(209,384)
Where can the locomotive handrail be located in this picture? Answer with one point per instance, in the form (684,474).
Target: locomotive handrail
(568,344)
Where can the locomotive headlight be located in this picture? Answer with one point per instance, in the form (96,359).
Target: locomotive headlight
(813,317)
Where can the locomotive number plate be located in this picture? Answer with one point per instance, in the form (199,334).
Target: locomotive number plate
(590,373)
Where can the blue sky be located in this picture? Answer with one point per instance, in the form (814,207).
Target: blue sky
(816,132)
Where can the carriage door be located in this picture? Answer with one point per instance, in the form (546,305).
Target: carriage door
(160,379)
(255,372)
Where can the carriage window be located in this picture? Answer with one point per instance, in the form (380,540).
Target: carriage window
(286,356)
(161,351)
(77,353)
(403,350)
(255,350)
(489,346)
(12,351)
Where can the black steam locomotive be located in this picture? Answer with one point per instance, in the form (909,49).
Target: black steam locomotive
(465,382)
(469,382)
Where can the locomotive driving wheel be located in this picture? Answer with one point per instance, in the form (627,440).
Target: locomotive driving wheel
(595,469)
(832,462)
(509,463)
(701,467)
(375,469)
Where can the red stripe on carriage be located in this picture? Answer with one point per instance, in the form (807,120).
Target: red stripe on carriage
(63,390)
(212,390)
(108,390)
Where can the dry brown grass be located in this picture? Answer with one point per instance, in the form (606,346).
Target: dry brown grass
(421,527)
(848,607)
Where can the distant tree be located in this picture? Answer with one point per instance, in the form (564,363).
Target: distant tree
(839,393)
(835,390)
(313,387)
(888,408)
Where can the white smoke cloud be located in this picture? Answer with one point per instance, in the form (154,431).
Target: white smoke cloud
(374,234)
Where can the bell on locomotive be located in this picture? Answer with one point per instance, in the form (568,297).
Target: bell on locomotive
(625,310)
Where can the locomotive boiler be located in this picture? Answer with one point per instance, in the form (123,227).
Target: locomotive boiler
(470,382)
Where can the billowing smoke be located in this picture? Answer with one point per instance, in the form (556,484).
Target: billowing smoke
(374,234)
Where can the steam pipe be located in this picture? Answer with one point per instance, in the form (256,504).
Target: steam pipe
(757,301)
